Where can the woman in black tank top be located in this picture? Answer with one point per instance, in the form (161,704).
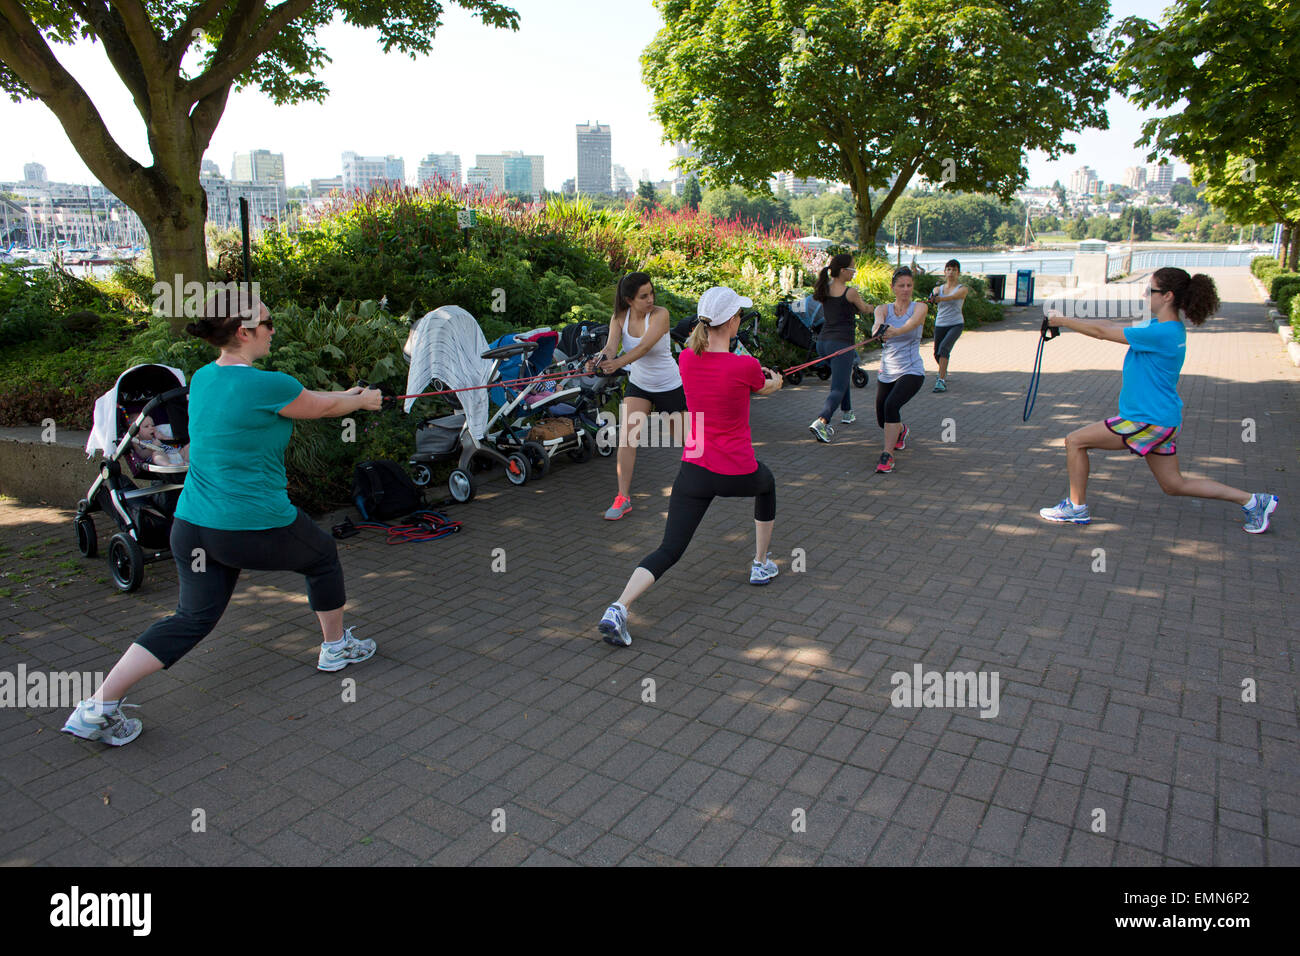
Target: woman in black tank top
(841,304)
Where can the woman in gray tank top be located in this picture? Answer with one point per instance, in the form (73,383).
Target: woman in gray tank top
(948,320)
(901,370)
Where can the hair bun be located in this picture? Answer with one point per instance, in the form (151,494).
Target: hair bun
(200,329)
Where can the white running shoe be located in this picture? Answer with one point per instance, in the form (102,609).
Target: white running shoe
(353,650)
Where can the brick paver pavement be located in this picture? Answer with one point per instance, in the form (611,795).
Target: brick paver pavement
(1120,689)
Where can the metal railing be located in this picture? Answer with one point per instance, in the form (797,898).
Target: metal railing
(1059,265)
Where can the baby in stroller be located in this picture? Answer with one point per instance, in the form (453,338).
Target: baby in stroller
(148,448)
(141,426)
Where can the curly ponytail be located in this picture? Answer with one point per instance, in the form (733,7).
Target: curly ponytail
(1196,296)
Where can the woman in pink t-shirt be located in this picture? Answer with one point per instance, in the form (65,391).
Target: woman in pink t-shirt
(719,458)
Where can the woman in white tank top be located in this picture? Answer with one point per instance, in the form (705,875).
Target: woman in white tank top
(641,329)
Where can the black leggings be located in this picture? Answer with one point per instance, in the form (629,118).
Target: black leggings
(693,492)
(301,546)
(892,396)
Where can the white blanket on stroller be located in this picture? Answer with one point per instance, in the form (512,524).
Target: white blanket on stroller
(448,345)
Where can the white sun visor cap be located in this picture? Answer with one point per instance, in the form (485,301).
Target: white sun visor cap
(719,304)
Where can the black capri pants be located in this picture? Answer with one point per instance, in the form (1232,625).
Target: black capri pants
(301,546)
(892,396)
(693,492)
(944,338)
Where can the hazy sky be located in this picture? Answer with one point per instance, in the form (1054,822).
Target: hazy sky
(480,90)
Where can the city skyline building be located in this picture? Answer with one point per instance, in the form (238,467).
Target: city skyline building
(439,166)
(595,170)
(34,173)
(1083,181)
(1160,178)
(528,176)
(366,172)
(620,181)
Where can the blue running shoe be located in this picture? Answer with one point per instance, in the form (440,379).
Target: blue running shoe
(849,418)
(614,626)
(90,722)
(1257,512)
(1067,511)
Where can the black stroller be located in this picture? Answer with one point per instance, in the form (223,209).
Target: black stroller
(745,341)
(799,322)
(144,514)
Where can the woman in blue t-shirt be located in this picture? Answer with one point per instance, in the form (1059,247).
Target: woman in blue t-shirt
(234,512)
(1150,411)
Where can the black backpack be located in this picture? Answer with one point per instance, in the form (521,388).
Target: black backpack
(382,489)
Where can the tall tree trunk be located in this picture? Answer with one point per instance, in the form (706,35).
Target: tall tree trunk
(1284,245)
(178,245)
(868,220)
(1294,258)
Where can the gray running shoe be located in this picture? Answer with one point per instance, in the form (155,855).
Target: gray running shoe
(613,626)
(821,430)
(765,572)
(849,418)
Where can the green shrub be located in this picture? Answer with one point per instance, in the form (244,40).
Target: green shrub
(34,302)
(1287,305)
(62,385)
(1282,285)
(1264,267)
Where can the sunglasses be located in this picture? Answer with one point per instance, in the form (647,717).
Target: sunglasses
(1154,291)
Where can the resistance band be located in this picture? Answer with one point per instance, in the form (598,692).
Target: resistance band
(423,526)
(555,376)
(1048,331)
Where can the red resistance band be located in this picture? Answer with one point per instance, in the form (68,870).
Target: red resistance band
(555,376)
(427,526)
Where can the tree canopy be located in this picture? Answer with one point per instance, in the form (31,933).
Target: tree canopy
(240,43)
(1225,69)
(872,92)
(1231,67)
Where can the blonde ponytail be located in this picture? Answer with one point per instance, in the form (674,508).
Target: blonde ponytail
(699,339)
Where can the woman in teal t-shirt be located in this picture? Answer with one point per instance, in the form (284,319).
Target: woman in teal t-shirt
(234,512)
(1150,411)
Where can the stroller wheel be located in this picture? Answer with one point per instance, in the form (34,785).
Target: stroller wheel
(859,378)
(87,540)
(607,440)
(794,378)
(461,485)
(518,470)
(421,475)
(583,451)
(823,372)
(125,562)
(537,458)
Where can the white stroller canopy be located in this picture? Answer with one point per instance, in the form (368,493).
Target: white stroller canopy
(448,345)
(103,433)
